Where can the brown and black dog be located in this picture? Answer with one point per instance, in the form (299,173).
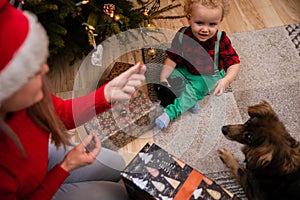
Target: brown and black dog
(272,156)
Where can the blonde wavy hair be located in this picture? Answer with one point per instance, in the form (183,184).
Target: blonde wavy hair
(224,4)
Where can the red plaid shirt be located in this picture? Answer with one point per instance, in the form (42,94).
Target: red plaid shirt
(198,56)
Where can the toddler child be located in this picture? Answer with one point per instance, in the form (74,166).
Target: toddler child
(201,56)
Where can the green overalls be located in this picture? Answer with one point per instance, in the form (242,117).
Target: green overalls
(193,87)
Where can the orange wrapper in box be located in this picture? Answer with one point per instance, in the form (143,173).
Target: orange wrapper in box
(154,174)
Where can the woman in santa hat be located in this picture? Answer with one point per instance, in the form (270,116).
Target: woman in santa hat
(30,117)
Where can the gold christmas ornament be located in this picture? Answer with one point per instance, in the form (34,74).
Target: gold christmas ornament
(82,3)
(92,40)
(88,27)
(123,112)
(109,9)
(151,52)
(146,12)
(117,17)
(151,24)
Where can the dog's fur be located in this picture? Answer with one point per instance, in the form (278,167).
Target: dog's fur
(272,156)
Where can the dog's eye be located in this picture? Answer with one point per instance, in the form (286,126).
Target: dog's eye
(249,138)
(248,122)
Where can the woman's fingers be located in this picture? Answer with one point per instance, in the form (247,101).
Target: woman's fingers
(137,69)
(121,87)
(97,147)
(85,142)
(90,145)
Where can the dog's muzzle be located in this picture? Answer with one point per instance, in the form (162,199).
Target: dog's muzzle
(225,130)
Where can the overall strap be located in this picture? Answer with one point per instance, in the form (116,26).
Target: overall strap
(182,31)
(217,51)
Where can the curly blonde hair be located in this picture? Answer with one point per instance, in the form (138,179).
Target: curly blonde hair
(224,4)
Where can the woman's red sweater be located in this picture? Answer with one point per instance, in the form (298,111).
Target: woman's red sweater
(29,178)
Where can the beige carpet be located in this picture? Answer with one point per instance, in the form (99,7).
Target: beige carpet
(270,63)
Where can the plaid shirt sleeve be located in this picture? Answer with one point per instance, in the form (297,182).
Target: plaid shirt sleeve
(175,51)
(228,55)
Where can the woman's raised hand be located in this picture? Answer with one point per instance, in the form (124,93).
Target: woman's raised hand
(123,86)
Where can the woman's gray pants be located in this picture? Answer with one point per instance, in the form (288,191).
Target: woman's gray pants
(95,181)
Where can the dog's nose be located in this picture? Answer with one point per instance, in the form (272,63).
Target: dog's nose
(225,130)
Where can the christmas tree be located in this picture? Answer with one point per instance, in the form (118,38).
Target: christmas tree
(75,27)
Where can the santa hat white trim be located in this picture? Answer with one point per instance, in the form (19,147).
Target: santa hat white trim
(27,60)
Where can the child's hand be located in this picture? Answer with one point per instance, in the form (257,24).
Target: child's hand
(220,87)
(165,83)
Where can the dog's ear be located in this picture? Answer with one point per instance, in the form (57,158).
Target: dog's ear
(259,157)
(262,109)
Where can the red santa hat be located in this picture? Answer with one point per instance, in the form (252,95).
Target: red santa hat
(23,48)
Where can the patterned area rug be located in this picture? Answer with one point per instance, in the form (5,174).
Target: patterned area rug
(270,70)
(294,33)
